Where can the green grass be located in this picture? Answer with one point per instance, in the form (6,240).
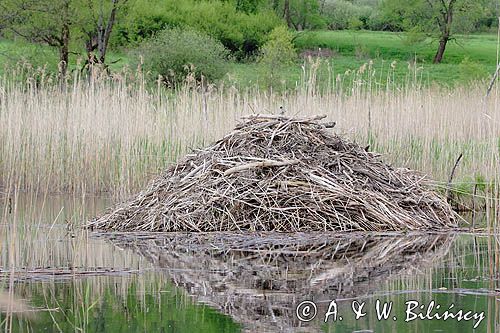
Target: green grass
(249,74)
(395,46)
(468,58)
(13,52)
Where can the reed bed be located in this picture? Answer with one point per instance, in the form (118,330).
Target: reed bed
(98,134)
(279,173)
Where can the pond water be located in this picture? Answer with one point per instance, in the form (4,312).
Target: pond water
(58,278)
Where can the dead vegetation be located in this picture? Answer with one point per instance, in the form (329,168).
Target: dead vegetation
(282,174)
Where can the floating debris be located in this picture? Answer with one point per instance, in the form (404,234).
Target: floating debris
(278,173)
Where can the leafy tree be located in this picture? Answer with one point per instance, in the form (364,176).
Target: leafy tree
(342,14)
(248,6)
(433,17)
(42,21)
(277,53)
(240,31)
(300,14)
(100,17)
(62,23)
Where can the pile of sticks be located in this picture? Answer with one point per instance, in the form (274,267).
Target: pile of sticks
(277,173)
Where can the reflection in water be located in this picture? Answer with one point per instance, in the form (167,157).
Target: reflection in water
(75,281)
(258,281)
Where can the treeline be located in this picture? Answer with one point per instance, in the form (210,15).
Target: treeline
(242,25)
(385,15)
(166,35)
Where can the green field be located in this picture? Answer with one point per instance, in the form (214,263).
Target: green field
(468,58)
(480,48)
(391,55)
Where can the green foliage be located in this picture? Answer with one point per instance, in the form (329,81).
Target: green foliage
(341,14)
(174,54)
(277,52)
(405,15)
(355,24)
(471,70)
(38,21)
(302,14)
(248,6)
(306,13)
(240,27)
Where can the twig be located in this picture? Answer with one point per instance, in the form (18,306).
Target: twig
(450,179)
(263,164)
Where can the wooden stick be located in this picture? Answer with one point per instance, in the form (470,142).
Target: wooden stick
(263,164)
(493,80)
(452,174)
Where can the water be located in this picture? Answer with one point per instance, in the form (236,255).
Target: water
(64,279)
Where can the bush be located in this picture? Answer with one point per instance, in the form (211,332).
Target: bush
(341,14)
(471,70)
(277,53)
(240,32)
(174,54)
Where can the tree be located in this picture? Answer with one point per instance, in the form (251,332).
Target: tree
(277,53)
(101,18)
(432,17)
(61,23)
(444,21)
(300,14)
(41,21)
(248,6)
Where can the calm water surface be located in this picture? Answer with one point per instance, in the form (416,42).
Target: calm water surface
(67,280)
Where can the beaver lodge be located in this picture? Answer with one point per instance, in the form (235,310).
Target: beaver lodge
(278,173)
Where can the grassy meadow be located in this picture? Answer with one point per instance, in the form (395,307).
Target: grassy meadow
(468,58)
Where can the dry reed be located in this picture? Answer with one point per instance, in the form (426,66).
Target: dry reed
(103,135)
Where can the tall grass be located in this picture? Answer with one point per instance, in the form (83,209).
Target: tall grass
(113,134)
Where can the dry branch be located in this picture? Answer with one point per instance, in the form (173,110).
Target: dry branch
(263,164)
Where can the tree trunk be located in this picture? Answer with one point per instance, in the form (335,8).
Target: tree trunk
(64,47)
(441,48)
(90,47)
(286,14)
(105,33)
(445,27)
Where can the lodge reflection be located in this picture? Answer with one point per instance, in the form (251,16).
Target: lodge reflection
(258,281)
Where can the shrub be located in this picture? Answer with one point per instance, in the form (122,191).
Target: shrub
(471,70)
(174,54)
(276,53)
(240,32)
(355,24)
(341,14)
